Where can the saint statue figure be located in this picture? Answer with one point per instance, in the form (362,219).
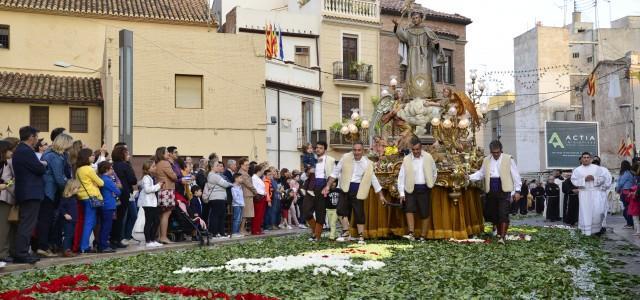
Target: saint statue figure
(422,44)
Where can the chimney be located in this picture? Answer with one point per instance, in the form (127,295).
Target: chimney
(576,17)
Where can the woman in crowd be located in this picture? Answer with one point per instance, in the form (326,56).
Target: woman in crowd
(625,182)
(248,191)
(260,199)
(54,183)
(73,155)
(90,185)
(217,199)
(127,211)
(7,200)
(149,203)
(166,177)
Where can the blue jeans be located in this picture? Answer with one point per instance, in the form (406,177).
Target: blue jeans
(69,227)
(106,221)
(237,218)
(89,223)
(275,211)
(130,220)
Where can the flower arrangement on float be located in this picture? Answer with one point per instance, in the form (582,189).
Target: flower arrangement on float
(355,128)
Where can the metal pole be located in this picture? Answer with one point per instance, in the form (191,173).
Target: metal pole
(278,124)
(126,89)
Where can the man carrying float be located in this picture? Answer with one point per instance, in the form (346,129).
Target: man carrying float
(416,179)
(356,178)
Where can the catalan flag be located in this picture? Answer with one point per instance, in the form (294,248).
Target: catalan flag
(628,148)
(271,48)
(622,147)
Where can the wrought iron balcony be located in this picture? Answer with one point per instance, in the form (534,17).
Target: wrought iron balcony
(360,73)
(338,140)
(359,10)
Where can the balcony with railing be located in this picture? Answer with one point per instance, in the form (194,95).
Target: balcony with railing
(352,74)
(358,10)
(338,140)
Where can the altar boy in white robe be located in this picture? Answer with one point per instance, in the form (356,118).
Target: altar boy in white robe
(589,179)
(604,190)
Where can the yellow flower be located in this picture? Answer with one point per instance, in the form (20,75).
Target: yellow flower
(390,150)
(368,251)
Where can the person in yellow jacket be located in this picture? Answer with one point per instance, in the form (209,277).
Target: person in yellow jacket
(417,176)
(356,178)
(90,185)
(502,183)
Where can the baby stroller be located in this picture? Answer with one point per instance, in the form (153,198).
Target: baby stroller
(181,224)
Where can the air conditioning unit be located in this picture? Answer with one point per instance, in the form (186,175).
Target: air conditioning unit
(318,135)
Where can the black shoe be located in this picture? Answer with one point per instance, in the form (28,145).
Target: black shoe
(25,260)
(107,250)
(118,245)
(92,250)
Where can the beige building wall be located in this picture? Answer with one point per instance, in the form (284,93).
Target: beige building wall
(331,51)
(16,115)
(232,68)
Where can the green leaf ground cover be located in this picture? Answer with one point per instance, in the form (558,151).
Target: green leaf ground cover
(556,264)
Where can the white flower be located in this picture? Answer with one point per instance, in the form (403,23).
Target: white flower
(353,128)
(344,130)
(365,124)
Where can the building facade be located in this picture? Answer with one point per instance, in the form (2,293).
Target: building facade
(615,105)
(292,78)
(192,87)
(553,63)
(451,31)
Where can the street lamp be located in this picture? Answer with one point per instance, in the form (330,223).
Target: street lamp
(66,65)
(475,89)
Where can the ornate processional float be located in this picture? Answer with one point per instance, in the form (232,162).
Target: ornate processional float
(446,124)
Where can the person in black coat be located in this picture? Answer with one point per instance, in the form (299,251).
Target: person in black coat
(126,212)
(552,190)
(29,191)
(524,191)
(538,197)
(571,201)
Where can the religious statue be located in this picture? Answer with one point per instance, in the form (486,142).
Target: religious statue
(422,44)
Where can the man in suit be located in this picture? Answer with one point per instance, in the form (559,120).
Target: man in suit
(29,191)
(231,169)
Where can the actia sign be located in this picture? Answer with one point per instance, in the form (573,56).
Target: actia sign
(565,141)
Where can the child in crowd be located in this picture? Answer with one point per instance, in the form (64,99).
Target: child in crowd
(195,204)
(332,204)
(69,215)
(195,209)
(237,205)
(308,157)
(294,210)
(149,202)
(109,192)
(289,196)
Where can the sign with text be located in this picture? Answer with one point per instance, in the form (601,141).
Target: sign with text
(565,141)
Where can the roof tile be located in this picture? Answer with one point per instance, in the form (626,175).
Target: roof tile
(181,11)
(50,88)
(395,7)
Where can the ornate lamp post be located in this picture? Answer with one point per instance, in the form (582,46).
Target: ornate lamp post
(475,89)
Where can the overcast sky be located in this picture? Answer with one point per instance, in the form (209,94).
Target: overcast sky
(497,22)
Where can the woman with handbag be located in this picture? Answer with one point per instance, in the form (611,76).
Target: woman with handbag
(166,197)
(217,198)
(8,208)
(89,195)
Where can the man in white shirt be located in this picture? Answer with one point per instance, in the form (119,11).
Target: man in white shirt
(501,181)
(317,202)
(604,190)
(416,179)
(356,178)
